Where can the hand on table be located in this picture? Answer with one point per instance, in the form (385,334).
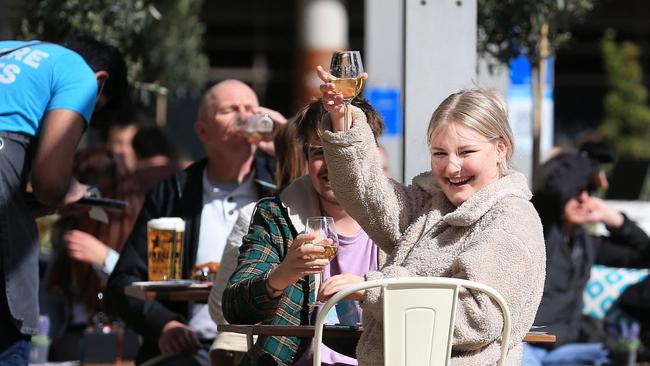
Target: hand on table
(85,247)
(299,262)
(177,337)
(337,283)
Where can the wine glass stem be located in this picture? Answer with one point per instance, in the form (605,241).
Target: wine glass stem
(346,123)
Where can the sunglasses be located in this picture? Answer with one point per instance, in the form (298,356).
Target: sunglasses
(590,188)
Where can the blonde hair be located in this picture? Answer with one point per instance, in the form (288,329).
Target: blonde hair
(482,110)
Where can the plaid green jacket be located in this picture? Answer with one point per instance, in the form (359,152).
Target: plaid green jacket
(245,300)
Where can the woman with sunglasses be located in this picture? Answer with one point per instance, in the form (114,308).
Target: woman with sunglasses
(566,203)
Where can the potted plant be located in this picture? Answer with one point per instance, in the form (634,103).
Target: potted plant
(623,343)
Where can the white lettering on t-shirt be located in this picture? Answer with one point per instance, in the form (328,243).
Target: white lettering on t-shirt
(31,58)
(34,58)
(8,73)
(19,53)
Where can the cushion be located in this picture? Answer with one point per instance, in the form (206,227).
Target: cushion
(604,287)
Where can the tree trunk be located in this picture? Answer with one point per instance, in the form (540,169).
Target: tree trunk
(538,78)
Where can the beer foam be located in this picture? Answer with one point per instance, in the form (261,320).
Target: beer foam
(167,223)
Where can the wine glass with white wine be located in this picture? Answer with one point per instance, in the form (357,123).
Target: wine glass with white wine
(346,68)
(323,227)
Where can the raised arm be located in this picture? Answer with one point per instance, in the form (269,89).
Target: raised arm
(382,206)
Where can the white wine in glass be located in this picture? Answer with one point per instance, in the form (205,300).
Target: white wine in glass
(347,69)
(323,227)
(348,87)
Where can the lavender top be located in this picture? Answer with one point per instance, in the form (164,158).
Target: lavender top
(357,255)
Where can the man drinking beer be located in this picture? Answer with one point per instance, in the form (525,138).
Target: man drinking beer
(207,196)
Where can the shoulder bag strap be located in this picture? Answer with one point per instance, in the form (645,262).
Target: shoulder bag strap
(5,53)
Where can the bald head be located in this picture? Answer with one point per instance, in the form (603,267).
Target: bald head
(224,96)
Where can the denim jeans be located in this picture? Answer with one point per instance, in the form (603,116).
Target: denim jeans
(17,354)
(572,354)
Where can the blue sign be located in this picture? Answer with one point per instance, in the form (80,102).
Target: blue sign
(388,103)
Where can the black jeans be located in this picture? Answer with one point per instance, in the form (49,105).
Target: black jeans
(18,243)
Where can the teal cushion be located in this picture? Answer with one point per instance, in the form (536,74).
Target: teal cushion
(604,287)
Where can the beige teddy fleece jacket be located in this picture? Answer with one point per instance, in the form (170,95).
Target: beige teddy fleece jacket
(495,238)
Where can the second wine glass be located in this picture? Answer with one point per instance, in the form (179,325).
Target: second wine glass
(347,69)
(323,228)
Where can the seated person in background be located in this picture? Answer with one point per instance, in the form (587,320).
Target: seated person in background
(469,217)
(120,132)
(86,252)
(207,195)
(275,279)
(565,203)
(229,348)
(156,157)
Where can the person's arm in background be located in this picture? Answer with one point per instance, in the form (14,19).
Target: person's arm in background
(627,245)
(87,248)
(52,167)
(228,263)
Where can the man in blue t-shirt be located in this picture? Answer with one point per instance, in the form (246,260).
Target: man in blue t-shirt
(47,94)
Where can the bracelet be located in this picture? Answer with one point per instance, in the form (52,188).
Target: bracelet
(273,289)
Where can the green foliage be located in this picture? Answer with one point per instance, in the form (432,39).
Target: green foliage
(626,124)
(161,40)
(508,28)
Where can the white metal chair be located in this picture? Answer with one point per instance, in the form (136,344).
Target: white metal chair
(418,318)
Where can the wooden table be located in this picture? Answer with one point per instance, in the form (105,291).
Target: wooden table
(339,339)
(198,292)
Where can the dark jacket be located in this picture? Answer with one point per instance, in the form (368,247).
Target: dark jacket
(568,264)
(568,267)
(180,195)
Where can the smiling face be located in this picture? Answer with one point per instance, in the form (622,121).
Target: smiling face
(317,170)
(463,161)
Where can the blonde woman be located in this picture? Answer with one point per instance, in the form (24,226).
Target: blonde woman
(469,217)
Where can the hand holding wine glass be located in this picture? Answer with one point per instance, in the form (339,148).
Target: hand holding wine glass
(345,78)
(302,259)
(325,236)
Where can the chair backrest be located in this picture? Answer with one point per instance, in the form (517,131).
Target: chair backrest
(419,317)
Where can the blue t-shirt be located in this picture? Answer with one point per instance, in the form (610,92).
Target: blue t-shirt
(37,79)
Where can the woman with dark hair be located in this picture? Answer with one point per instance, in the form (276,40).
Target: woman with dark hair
(87,250)
(291,163)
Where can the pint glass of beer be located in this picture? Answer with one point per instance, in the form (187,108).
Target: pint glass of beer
(165,248)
